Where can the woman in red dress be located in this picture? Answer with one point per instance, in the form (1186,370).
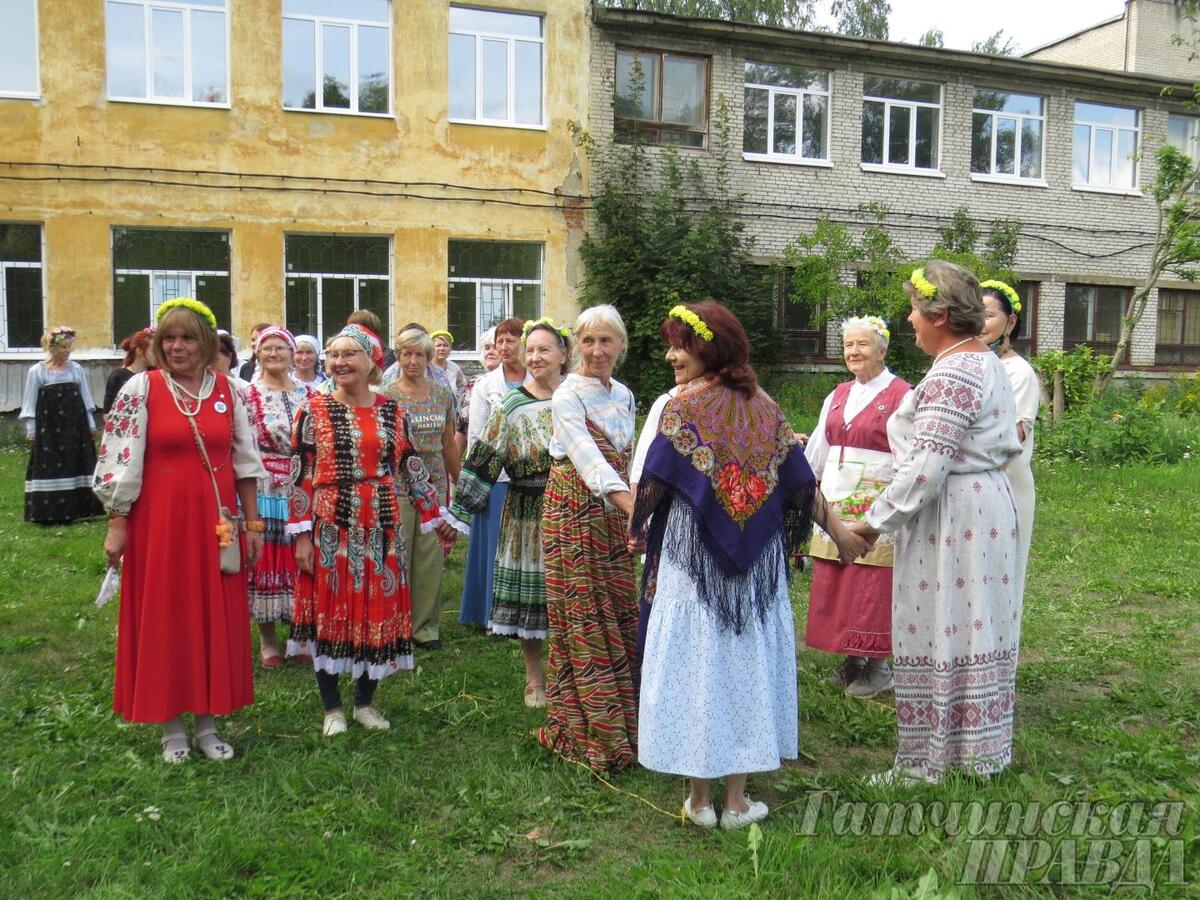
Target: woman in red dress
(351,453)
(183,637)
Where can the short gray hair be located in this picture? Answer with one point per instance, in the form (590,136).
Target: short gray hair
(605,315)
(488,337)
(415,339)
(957,296)
(865,324)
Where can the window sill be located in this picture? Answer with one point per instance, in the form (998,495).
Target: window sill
(18,95)
(1096,189)
(787,160)
(1004,179)
(167,101)
(901,170)
(339,112)
(495,123)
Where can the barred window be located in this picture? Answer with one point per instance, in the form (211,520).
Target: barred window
(21,315)
(490,281)
(1093,315)
(153,265)
(329,276)
(1178,341)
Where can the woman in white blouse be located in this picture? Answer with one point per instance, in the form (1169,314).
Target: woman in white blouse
(591,702)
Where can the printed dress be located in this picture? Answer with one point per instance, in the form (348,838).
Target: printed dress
(57,412)
(957,582)
(850,607)
(353,612)
(272,581)
(591,602)
(515,440)
(183,638)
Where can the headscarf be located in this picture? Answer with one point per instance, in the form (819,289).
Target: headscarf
(365,338)
(278,332)
(735,463)
(310,340)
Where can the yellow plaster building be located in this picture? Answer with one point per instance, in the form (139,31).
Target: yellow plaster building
(288,160)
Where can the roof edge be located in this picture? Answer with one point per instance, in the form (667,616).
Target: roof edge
(1073,34)
(892,51)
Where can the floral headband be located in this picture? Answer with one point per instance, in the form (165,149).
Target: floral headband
(693,321)
(61,334)
(365,338)
(559,331)
(442,333)
(187,303)
(879,326)
(275,332)
(1013,298)
(924,286)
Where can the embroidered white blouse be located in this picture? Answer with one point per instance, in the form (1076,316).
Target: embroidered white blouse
(123,447)
(581,399)
(861,394)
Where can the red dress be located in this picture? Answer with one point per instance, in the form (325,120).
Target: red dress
(183,637)
(850,607)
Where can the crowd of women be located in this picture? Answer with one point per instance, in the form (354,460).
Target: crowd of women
(328,500)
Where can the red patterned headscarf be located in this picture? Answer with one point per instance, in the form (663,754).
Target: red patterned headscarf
(367,339)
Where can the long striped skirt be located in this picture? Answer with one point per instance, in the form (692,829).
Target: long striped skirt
(591,604)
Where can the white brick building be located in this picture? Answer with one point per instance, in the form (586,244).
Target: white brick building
(1066,150)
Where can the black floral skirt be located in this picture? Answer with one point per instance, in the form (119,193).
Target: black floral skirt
(58,481)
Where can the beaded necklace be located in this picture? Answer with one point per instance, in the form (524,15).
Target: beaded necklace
(206,388)
(953,347)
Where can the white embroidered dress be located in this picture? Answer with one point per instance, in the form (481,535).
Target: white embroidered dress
(957,581)
(1027,392)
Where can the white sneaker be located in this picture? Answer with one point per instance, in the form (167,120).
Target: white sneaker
(847,672)
(335,723)
(705,816)
(757,812)
(874,678)
(369,717)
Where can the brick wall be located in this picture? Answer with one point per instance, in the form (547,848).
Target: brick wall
(1069,235)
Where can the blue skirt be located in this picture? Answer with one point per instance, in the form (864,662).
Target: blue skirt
(476,604)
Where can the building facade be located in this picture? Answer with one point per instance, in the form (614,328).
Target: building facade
(286,161)
(824,123)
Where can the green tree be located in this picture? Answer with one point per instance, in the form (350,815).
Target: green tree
(666,232)
(996,44)
(862,18)
(934,37)
(779,13)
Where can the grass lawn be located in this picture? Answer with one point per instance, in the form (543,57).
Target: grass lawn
(458,800)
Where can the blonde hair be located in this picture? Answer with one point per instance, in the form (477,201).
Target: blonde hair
(193,325)
(602,316)
(957,296)
(49,332)
(415,339)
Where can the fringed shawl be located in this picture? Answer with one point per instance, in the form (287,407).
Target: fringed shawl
(735,462)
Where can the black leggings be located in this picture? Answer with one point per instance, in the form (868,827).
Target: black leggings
(331,697)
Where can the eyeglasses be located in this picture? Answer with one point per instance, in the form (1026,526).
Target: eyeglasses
(335,355)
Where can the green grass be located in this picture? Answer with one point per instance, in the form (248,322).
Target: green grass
(458,800)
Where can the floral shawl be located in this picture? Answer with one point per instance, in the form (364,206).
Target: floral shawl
(735,462)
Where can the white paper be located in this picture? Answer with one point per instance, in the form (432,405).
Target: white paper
(109,586)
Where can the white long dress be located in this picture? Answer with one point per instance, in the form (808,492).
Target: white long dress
(957,582)
(1027,394)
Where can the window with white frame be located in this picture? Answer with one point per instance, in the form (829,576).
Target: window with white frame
(1105,146)
(1183,133)
(489,281)
(901,125)
(19,50)
(153,265)
(337,55)
(497,67)
(21,310)
(1007,135)
(662,97)
(786,114)
(168,52)
(329,276)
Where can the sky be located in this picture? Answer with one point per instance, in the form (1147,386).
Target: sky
(1031,22)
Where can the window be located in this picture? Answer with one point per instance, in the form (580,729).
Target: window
(1178,341)
(152,265)
(901,123)
(329,276)
(19,50)
(797,322)
(1183,133)
(786,113)
(168,52)
(337,56)
(488,282)
(1093,315)
(661,96)
(496,67)
(21,317)
(1030,293)
(1007,135)
(1106,142)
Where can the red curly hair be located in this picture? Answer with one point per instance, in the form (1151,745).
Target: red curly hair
(727,355)
(139,340)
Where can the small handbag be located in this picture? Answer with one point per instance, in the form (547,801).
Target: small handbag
(231,549)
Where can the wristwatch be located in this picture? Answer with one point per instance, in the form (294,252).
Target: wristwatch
(254,525)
